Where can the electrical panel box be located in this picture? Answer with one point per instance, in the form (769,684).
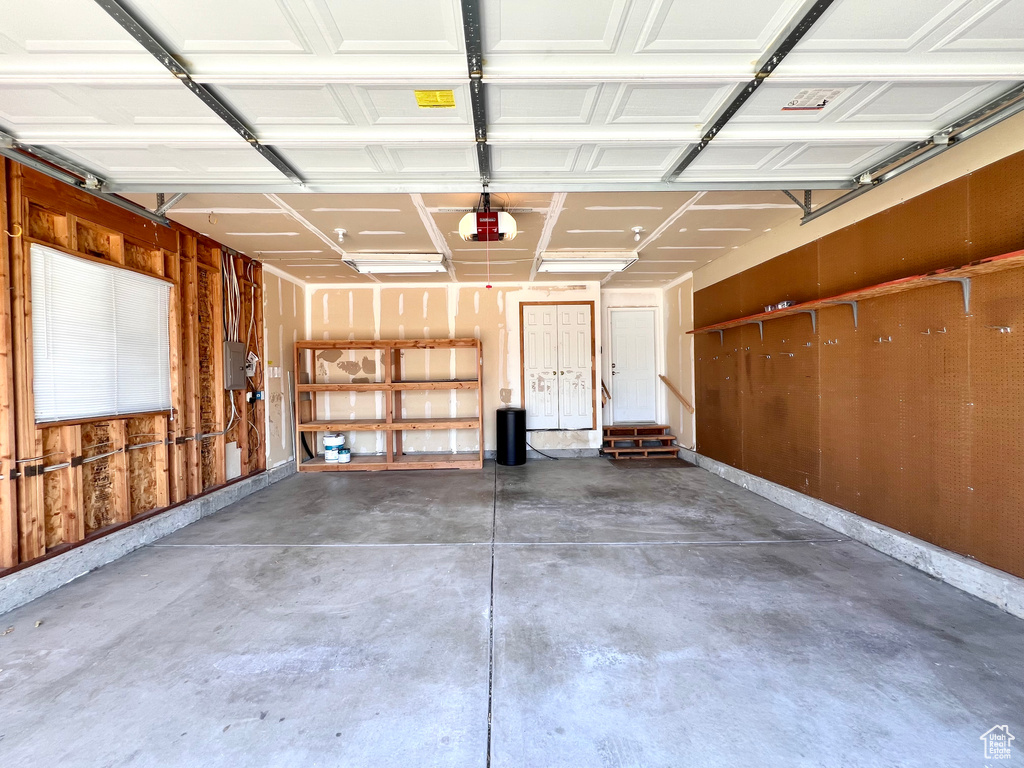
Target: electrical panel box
(234,365)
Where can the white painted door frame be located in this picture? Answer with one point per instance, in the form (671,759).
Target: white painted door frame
(634,364)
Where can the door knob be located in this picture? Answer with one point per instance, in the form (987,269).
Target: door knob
(562,373)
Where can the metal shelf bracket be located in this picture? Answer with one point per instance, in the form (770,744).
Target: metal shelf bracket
(814,317)
(965,285)
(853,306)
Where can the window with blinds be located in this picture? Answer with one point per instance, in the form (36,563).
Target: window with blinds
(100,339)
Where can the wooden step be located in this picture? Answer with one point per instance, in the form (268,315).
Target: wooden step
(628,430)
(663,452)
(611,439)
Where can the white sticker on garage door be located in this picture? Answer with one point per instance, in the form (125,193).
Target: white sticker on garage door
(812,99)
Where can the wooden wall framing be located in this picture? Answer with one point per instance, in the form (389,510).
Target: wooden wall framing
(915,417)
(65,483)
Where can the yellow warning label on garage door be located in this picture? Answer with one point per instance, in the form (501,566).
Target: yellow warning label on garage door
(435,99)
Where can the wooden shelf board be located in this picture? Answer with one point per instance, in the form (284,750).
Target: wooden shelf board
(377,425)
(982,267)
(346,425)
(359,462)
(391,343)
(437,461)
(376,387)
(460,384)
(469,422)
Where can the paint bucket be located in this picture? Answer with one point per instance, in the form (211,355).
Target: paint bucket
(344,455)
(332,446)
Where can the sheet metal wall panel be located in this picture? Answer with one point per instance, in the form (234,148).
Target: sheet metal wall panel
(996,216)
(996,525)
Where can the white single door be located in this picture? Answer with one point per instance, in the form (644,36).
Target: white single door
(575,368)
(540,366)
(633,365)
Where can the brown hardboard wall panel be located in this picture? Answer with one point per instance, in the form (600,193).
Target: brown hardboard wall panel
(996,524)
(719,430)
(780,403)
(923,234)
(934,440)
(793,276)
(718,302)
(841,437)
(996,223)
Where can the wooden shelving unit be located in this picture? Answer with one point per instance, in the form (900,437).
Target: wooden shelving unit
(393,388)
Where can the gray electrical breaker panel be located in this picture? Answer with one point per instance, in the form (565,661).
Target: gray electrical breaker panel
(234,365)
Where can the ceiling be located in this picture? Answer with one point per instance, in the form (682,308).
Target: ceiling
(682,231)
(593,101)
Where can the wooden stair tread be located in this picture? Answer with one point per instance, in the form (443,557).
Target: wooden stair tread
(616,438)
(651,449)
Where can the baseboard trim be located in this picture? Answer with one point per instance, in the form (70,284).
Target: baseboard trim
(990,584)
(25,585)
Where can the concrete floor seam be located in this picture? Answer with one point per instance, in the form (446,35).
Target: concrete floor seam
(715,543)
(490,619)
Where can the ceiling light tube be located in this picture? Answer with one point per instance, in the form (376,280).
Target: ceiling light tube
(397,263)
(586,261)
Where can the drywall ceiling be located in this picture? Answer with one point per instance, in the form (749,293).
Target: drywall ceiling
(296,233)
(580,94)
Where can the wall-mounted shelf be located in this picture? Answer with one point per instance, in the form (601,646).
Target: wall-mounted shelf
(961,275)
(393,388)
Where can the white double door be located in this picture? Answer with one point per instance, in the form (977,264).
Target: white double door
(558,366)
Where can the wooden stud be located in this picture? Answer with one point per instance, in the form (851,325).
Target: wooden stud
(31,522)
(8,501)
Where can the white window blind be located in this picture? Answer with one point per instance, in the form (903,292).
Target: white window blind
(100,339)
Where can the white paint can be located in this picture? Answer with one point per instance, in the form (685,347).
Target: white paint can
(333,443)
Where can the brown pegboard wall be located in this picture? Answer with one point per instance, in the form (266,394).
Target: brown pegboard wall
(718,302)
(781,407)
(719,431)
(840,371)
(934,442)
(996,213)
(922,430)
(996,524)
(790,277)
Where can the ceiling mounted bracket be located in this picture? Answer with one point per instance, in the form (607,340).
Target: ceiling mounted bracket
(130,24)
(805,206)
(965,286)
(769,64)
(164,205)
(852,305)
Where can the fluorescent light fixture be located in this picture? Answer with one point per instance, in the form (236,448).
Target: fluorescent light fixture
(397,263)
(586,261)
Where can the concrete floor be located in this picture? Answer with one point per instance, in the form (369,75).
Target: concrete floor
(656,617)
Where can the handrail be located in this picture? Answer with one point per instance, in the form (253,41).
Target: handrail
(676,392)
(605,394)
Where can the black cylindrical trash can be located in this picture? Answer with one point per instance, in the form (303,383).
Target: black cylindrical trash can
(511,424)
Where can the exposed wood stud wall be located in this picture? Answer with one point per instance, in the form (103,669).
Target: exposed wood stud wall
(155,459)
